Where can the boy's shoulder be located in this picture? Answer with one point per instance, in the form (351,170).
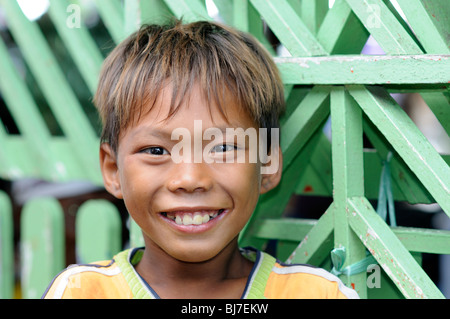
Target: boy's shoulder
(274,279)
(301,281)
(98,280)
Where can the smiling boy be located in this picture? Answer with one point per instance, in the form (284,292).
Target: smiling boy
(160,80)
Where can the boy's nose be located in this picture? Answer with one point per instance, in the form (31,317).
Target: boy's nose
(190,177)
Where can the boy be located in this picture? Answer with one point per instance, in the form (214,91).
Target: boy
(203,80)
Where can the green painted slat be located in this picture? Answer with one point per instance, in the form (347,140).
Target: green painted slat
(318,242)
(189,10)
(19,164)
(136,238)
(63,167)
(384,27)
(241,15)
(402,177)
(291,229)
(225,8)
(78,42)
(387,249)
(6,248)
(439,104)
(348,179)
(154,12)
(356,69)
(398,16)
(27,117)
(424,240)
(42,245)
(247,19)
(407,140)
(67,168)
(338,26)
(4,159)
(289,28)
(55,87)
(19,100)
(317,179)
(303,122)
(112,14)
(422,19)
(346,147)
(132,11)
(312,13)
(98,231)
(296,229)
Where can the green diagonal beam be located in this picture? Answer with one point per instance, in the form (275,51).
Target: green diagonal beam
(189,10)
(401,176)
(439,104)
(407,140)
(307,117)
(312,13)
(387,249)
(112,15)
(384,27)
(423,23)
(289,28)
(56,89)
(339,24)
(80,44)
(27,117)
(318,242)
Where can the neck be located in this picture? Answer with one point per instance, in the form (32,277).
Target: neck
(173,278)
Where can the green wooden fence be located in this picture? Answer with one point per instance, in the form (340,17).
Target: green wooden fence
(325,76)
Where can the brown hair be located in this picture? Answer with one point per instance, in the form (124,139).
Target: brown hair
(218,58)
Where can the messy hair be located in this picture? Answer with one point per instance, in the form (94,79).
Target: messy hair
(222,61)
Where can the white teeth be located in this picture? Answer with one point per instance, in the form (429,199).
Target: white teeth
(197,218)
(187,219)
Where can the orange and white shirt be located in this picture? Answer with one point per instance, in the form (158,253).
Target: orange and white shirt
(269,278)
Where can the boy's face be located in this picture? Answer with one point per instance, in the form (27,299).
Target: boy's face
(191,209)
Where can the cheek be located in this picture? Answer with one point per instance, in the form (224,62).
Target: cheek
(244,184)
(136,184)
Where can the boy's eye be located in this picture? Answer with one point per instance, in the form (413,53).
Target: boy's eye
(155,150)
(223,148)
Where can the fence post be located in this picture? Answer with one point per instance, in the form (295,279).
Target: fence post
(6,248)
(42,245)
(98,231)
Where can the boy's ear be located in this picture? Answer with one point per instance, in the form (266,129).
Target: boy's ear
(271,172)
(110,171)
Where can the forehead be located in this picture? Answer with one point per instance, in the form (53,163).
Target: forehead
(166,112)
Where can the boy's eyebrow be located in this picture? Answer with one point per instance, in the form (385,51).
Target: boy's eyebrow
(160,133)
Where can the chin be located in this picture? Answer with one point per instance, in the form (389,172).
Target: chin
(195,253)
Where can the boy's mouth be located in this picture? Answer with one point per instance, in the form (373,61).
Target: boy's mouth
(192,217)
